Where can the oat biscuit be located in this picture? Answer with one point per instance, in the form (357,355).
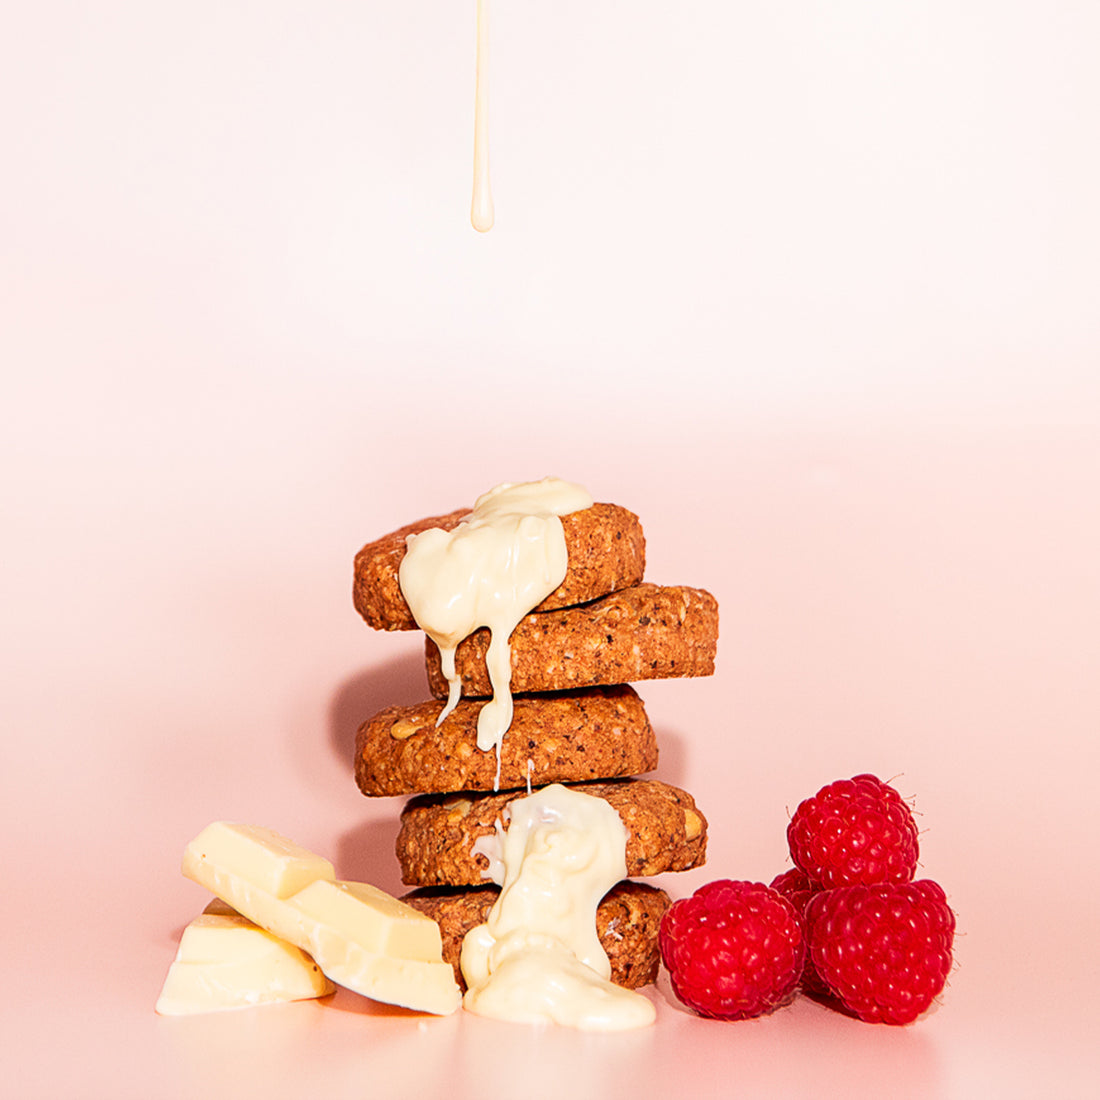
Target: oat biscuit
(605,544)
(647,632)
(665,831)
(627,921)
(594,733)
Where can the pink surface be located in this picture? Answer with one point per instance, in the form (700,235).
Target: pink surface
(850,381)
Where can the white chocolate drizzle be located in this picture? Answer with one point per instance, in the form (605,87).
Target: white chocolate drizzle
(538,957)
(482,214)
(499,563)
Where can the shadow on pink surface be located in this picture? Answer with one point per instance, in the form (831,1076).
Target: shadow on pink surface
(366,853)
(397,682)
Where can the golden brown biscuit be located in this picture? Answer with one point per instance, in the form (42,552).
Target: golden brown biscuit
(647,632)
(665,831)
(595,733)
(627,922)
(605,544)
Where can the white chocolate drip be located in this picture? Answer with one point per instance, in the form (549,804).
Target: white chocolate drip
(501,561)
(491,846)
(538,957)
(482,213)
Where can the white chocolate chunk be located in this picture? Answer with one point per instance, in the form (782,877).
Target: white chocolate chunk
(359,936)
(225,961)
(268,860)
(412,983)
(370,917)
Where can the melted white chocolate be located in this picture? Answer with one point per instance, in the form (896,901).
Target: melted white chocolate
(538,957)
(481,208)
(499,563)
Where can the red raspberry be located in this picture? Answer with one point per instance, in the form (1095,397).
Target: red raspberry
(798,890)
(854,831)
(796,887)
(733,949)
(884,951)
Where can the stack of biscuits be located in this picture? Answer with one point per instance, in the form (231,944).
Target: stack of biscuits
(576,721)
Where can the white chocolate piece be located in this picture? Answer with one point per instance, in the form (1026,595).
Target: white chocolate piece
(268,860)
(360,937)
(372,918)
(225,962)
(538,957)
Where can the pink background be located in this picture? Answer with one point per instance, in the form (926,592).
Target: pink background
(811,288)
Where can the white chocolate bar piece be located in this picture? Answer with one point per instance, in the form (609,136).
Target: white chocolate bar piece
(359,936)
(225,961)
(264,857)
(372,918)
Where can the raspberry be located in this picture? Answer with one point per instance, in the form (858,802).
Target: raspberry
(854,831)
(733,950)
(798,890)
(796,887)
(885,950)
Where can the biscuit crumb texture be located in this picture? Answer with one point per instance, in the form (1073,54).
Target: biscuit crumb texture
(435,845)
(647,632)
(595,733)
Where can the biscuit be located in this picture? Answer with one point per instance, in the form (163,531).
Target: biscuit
(647,632)
(627,922)
(595,733)
(605,544)
(435,846)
